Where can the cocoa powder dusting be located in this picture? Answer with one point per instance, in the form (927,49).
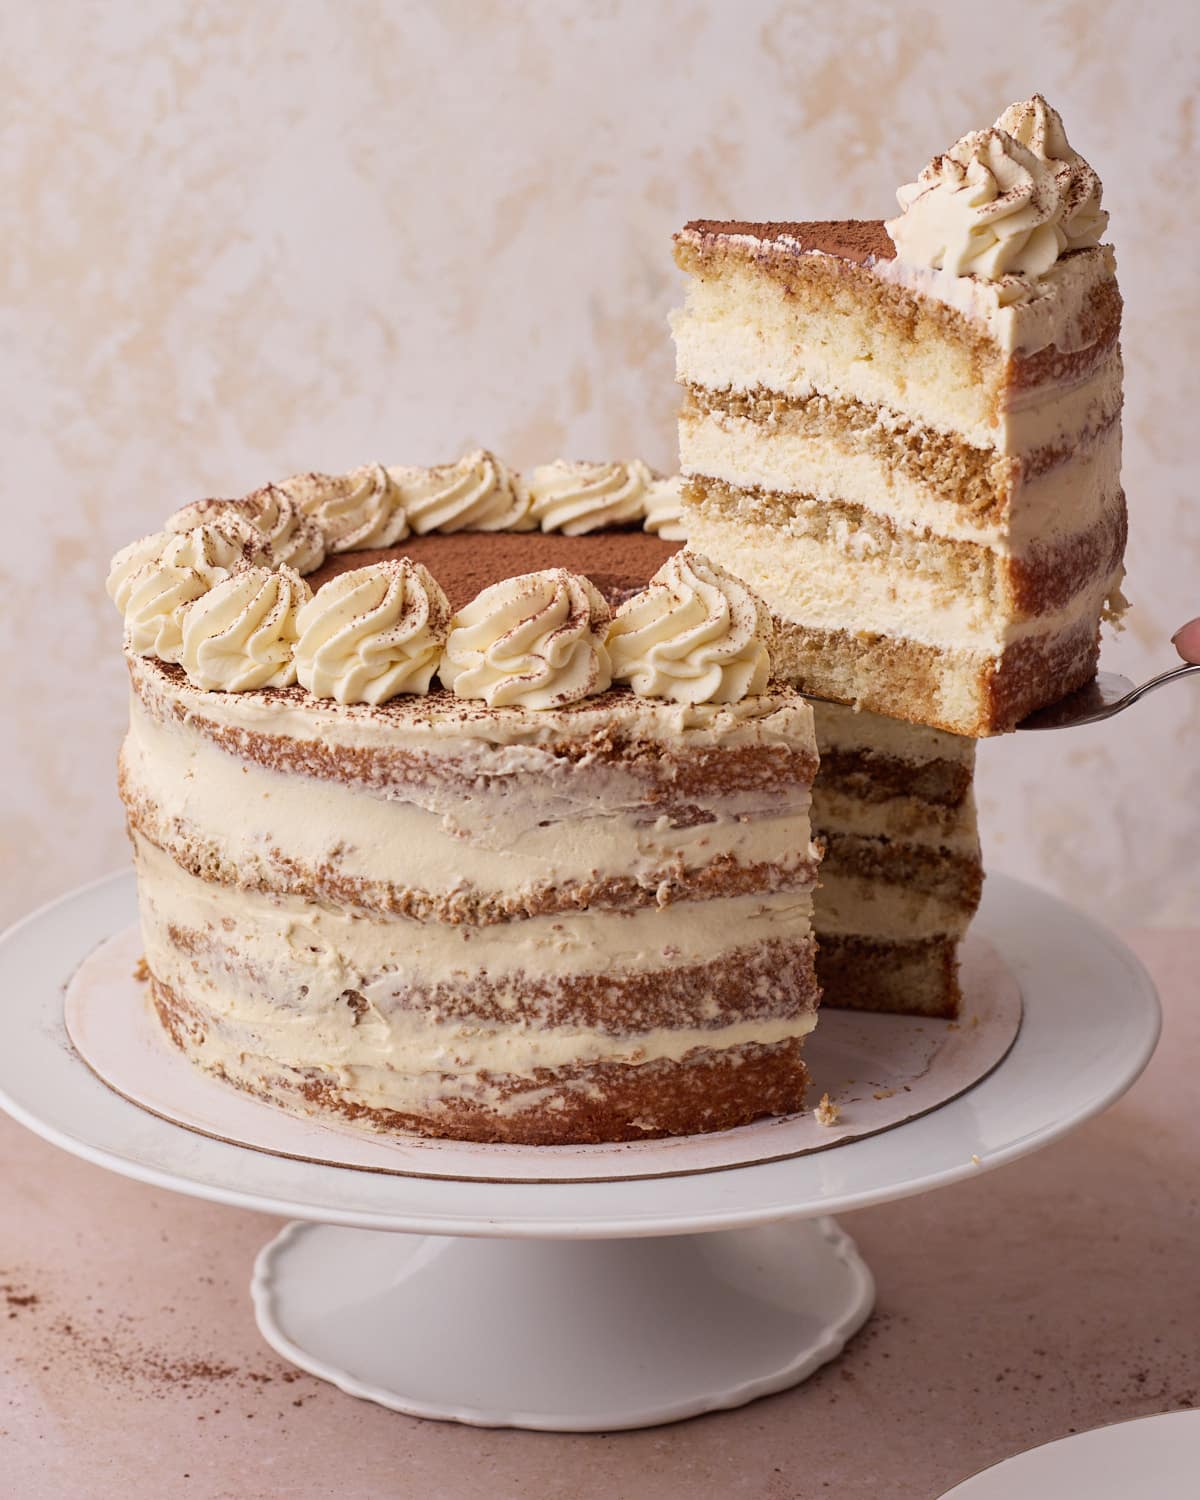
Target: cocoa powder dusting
(464,563)
(847,239)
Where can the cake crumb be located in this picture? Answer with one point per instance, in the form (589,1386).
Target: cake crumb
(884,1094)
(975,1162)
(827,1111)
(141,970)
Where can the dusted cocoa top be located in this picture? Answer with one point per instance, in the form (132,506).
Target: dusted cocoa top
(464,563)
(855,240)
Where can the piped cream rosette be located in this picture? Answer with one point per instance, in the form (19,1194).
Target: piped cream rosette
(155,580)
(355,511)
(295,539)
(535,641)
(696,634)
(375,632)
(241,634)
(1001,203)
(478,493)
(576,498)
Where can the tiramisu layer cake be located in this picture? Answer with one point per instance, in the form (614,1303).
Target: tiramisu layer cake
(500,837)
(906,436)
(901,874)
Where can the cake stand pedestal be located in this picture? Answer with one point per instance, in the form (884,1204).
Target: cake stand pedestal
(583,1306)
(573,1336)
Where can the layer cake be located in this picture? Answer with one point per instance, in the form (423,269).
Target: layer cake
(901,876)
(906,436)
(503,838)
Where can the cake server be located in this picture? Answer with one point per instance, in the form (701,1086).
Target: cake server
(1108,693)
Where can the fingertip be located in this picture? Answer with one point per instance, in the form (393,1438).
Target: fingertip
(1186,641)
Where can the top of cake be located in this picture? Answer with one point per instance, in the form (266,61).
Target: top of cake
(519,623)
(1004,227)
(862,241)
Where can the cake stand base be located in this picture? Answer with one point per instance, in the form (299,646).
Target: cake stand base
(562,1335)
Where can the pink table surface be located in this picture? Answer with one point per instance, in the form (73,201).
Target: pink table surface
(1051,1296)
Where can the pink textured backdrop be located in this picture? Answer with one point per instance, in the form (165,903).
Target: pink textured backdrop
(245,240)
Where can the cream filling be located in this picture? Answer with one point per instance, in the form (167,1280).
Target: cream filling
(286,942)
(900,819)
(1053,314)
(474,735)
(740,329)
(411,1065)
(1064,500)
(853,906)
(826,586)
(491,841)
(840,727)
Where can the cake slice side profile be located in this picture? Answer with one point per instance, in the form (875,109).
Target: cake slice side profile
(906,437)
(901,875)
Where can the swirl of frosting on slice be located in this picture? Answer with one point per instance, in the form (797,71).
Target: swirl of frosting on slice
(575,498)
(127,563)
(367,635)
(478,493)
(295,539)
(1039,127)
(241,634)
(989,208)
(536,641)
(355,511)
(695,634)
(664,509)
(215,549)
(157,599)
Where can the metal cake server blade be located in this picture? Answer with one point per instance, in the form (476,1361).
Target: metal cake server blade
(1107,694)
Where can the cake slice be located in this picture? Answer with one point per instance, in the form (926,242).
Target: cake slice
(906,436)
(901,876)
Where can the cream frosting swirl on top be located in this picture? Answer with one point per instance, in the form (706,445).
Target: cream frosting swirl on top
(355,511)
(215,549)
(988,207)
(129,561)
(536,641)
(295,539)
(1039,127)
(478,493)
(696,634)
(372,633)
(241,634)
(664,509)
(575,498)
(157,599)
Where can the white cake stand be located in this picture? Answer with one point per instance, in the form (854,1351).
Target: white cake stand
(584,1306)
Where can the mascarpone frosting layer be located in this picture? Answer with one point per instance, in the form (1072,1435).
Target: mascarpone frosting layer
(512,830)
(779,719)
(823,586)
(282,942)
